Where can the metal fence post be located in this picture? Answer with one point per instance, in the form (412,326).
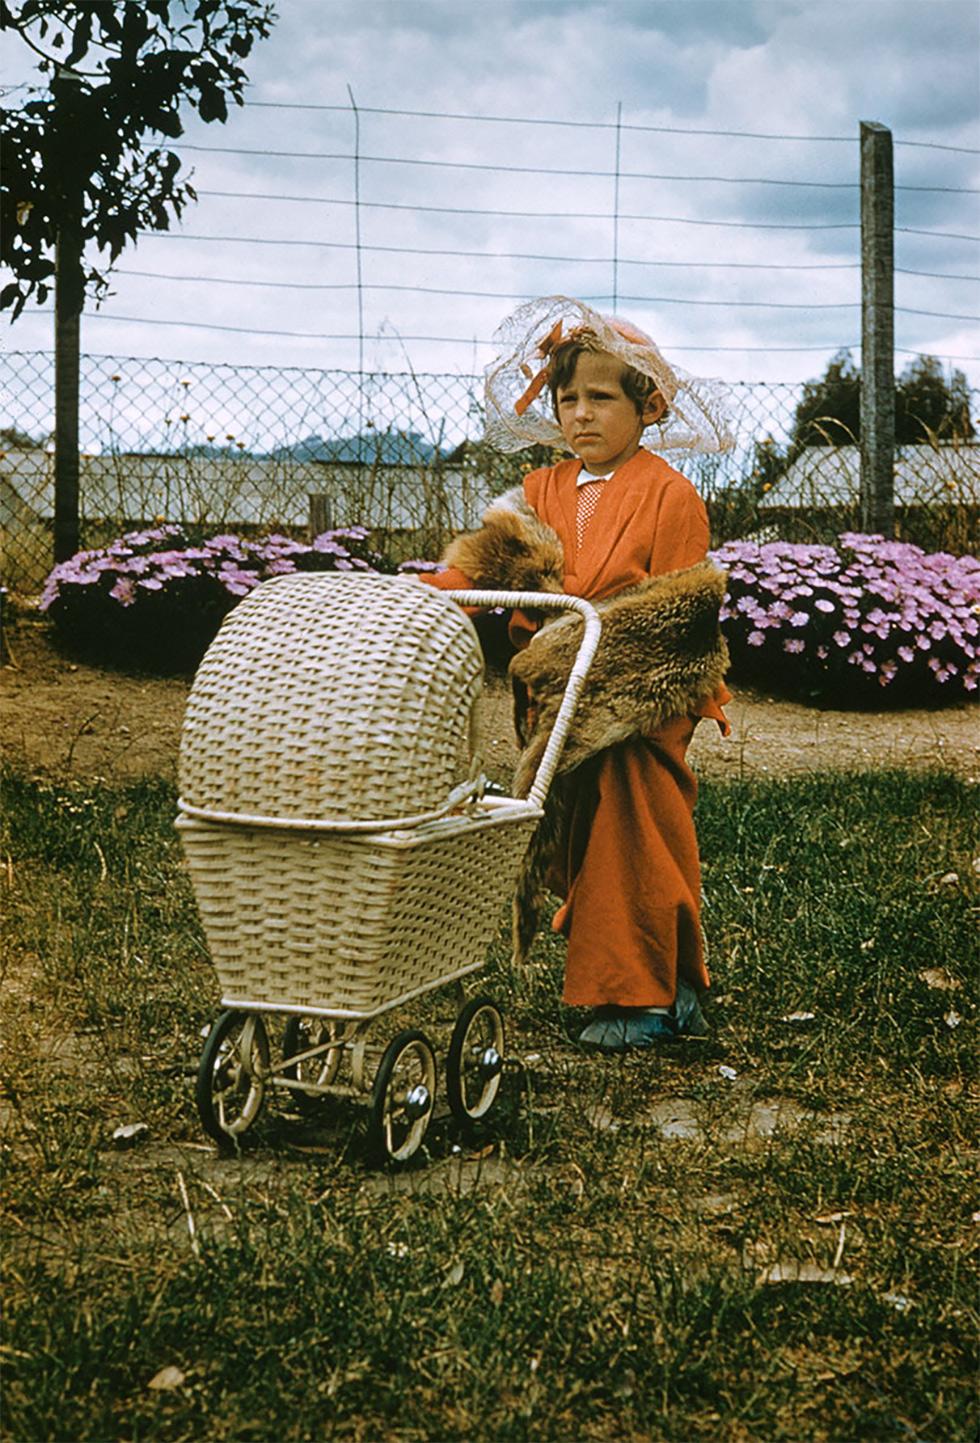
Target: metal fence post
(877,330)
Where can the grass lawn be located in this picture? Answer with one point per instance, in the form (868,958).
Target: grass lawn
(765,1235)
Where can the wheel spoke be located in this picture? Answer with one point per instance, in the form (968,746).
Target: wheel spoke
(231,1078)
(476,1059)
(311,1035)
(403,1097)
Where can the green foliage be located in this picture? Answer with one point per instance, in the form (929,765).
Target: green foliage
(928,406)
(74,160)
(829,410)
(13,439)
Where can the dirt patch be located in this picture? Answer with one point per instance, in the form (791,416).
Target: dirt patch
(60,715)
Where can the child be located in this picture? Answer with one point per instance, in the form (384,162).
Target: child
(623,850)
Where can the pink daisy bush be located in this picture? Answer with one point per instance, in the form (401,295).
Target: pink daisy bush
(865,621)
(155,599)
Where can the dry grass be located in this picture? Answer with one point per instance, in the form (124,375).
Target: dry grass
(640,1249)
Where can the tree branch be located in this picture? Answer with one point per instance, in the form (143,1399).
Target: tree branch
(54,59)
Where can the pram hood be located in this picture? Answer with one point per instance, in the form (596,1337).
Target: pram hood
(346,698)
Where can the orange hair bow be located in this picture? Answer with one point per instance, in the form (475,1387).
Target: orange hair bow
(549,344)
(538,382)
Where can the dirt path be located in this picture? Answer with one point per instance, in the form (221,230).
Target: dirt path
(60,715)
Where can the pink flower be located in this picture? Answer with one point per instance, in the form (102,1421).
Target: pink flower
(124,591)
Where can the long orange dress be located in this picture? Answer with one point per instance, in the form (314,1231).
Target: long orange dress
(630,874)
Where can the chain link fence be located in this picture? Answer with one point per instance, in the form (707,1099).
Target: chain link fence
(221,448)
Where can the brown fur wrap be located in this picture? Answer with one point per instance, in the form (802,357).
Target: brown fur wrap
(661,655)
(514,550)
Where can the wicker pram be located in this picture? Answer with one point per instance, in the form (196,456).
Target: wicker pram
(344,855)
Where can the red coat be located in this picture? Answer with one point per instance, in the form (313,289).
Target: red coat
(630,874)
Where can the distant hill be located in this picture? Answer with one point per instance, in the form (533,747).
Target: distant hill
(371,448)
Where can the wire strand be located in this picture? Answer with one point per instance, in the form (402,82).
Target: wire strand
(521,295)
(601,125)
(462,210)
(398,337)
(595,215)
(596,260)
(512,255)
(487,295)
(475,341)
(576,172)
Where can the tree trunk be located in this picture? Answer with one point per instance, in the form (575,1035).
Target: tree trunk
(67,332)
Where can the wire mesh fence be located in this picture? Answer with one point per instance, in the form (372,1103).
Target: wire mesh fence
(225,448)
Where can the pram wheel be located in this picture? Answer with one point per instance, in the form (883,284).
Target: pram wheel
(230,1082)
(300,1035)
(402,1097)
(476,1059)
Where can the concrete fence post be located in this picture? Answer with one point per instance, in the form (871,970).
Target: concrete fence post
(877,330)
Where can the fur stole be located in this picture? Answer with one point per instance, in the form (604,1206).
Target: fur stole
(513,551)
(661,655)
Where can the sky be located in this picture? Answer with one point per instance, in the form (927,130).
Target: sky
(694,166)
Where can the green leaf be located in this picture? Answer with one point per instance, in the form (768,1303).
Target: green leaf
(211,105)
(80,39)
(76,153)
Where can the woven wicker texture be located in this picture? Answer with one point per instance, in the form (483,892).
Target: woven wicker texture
(351,924)
(326,696)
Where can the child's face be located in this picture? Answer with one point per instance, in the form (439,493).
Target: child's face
(598,420)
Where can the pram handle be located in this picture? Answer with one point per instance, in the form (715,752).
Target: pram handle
(592,629)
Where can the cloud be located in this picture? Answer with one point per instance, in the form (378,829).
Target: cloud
(771,67)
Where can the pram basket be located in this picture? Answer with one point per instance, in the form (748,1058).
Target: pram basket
(343,854)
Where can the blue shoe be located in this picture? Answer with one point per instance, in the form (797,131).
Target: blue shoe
(620,1029)
(687,1012)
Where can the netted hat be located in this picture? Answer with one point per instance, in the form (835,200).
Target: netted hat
(518,401)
